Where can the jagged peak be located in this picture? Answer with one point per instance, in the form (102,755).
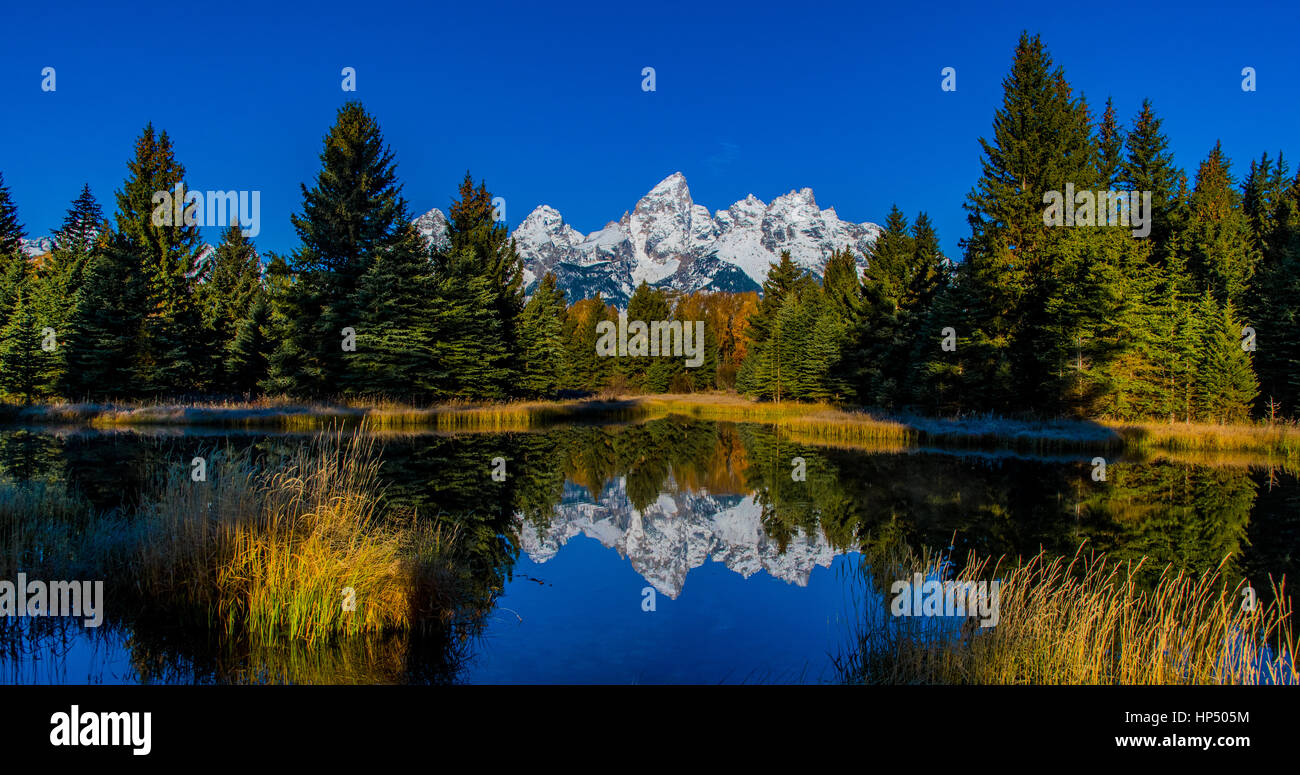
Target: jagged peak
(544,213)
(801,196)
(673,184)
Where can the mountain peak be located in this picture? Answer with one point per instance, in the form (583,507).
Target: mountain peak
(674,183)
(803,196)
(671,242)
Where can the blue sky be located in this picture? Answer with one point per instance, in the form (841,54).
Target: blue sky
(544,100)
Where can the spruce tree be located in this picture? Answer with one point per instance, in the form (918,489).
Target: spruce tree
(159,257)
(930,268)
(1110,147)
(1042,141)
(397,334)
(1275,311)
(890,259)
(249,353)
(471,347)
(11,231)
(1221,252)
(233,283)
(1226,382)
(760,372)
(650,374)
(472,228)
(75,242)
(541,339)
(25,367)
(1149,166)
(82,226)
(586,371)
(353,212)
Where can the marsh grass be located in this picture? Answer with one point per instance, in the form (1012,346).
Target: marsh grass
(1079,620)
(262,550)
(1275,439)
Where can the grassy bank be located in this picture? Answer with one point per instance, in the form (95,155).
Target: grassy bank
(285,415)
(260,550)
(1076,621)
(815,423)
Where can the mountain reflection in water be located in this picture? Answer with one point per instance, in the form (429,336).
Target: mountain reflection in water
(667,496)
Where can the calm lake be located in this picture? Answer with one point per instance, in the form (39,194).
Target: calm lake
(669,551)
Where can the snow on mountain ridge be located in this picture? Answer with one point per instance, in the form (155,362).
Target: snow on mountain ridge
(676,533)
(670,241)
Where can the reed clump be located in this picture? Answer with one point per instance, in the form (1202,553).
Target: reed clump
(1080,620)
(299,547)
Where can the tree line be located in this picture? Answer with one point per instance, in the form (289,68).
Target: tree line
(1199,320)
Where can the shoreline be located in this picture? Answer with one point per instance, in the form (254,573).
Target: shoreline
(823,424)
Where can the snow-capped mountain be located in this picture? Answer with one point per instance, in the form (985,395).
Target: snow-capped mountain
(42,245)
(670,241)
(676,533)
(38,246)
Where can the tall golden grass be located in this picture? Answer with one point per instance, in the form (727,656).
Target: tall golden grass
(1081,620)
(1275,439)
(261,551)
(278,551)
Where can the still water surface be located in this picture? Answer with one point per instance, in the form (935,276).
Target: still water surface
(669,551)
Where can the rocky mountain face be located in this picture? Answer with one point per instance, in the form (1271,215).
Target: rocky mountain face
(669,241)
(678,532)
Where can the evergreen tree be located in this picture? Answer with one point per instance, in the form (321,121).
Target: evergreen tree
(398,334)
(74,242)
(160,254)
(842,285)
(843,292)
(24,366)
(881,336)
(930,268)
(249,353)
(781,279)
(1099,320)
(1226,382)
(586,371)
(541,339)
(81,228)
(1148,166)
(1042,141)
(353,212)
(889,261)
(1221,252)
(472,228)
(471,346)
(233,285)
(102,325)
(11,231)
(651,374)
(1110,147)
(760,372)
(1275,311)
(706,308)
